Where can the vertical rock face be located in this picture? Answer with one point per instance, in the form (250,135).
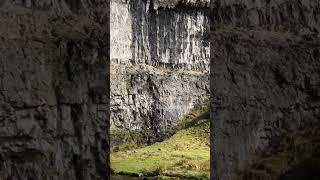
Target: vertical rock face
(54,89)
(160,62)
(265,78)
(158,36)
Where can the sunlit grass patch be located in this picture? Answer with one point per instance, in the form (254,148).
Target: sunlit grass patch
(186,154)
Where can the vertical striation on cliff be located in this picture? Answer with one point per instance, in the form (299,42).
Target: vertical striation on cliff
(54,101)
(159,62)
(265,77)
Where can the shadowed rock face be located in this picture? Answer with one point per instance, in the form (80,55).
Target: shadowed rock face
(160,62)
(265,77)
(54,89)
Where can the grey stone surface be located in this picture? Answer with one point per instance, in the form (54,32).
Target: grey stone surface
(167,37)
(154,99)
(175,3)
(265,78)
(160,63)
(53,77)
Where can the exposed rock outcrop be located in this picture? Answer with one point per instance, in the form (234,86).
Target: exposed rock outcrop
(54,89)
(160,62)
(265,78)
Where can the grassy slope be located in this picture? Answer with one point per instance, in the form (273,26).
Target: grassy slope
(186,154)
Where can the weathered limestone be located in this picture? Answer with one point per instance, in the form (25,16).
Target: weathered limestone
(143,35)
(160,63)
(174,3)
(154,99)
(54,89)
(264,77)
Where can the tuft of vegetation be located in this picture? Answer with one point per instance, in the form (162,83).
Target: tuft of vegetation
(197,114)
(296,157)
(184,155)
(123,140)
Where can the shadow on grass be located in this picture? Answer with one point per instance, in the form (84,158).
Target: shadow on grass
(196,121)
(194,118)
(184,154)
(124,140)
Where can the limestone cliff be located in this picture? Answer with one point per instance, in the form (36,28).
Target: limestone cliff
(160,62)
(265,78)
(54,89)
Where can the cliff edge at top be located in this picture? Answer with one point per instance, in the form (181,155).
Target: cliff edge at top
(155,56)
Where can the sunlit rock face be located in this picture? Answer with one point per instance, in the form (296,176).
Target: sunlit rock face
(164,37)
(160,62)
(175,3)
(54,89)
(265,77)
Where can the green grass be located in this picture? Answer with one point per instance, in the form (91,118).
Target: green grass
(123,140)
(186,154)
